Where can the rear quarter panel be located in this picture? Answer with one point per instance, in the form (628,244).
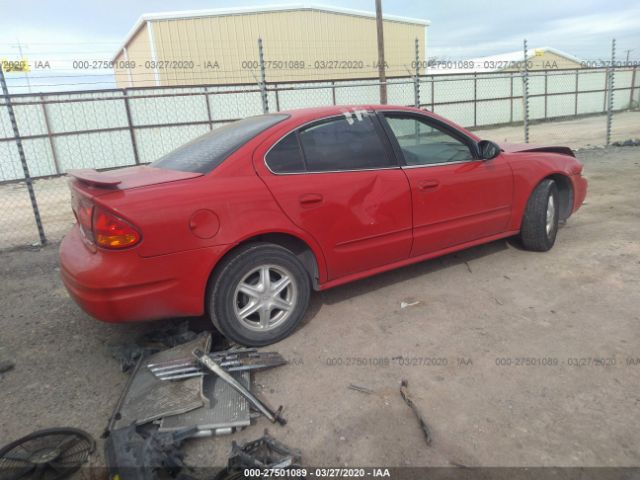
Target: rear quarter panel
(241,204)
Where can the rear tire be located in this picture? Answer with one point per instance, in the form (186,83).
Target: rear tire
(540,221)
(259,294)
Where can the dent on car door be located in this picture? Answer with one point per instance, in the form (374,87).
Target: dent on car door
(456,197)
(338,180)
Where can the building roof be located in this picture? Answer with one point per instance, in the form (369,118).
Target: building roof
(259,9)
(495,63)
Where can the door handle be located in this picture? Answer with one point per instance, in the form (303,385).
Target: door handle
(310,198)
(428,184)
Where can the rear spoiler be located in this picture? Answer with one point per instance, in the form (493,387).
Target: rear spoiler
(93,177)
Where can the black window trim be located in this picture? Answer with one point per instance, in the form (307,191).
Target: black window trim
(446,128)
(378,127)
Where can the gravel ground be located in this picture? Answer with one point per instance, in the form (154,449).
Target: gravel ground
(572,313)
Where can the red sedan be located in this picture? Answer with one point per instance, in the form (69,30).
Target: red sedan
(243,222)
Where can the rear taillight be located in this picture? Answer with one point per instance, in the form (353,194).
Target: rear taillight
(83,209)
(111,231)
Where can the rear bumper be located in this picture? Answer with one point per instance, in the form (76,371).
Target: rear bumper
(121,286)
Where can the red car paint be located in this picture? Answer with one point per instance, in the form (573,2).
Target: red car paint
(355,223)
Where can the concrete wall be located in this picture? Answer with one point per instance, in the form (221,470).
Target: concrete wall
(549,61)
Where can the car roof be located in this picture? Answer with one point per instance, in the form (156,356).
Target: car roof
(319,112)
(304,115)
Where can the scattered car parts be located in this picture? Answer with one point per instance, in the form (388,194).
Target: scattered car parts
(404,392)
(206,361)
(50,454)
(227,409)
(146,398)
(232,360)
(265,453)
(209,395)
(360,389)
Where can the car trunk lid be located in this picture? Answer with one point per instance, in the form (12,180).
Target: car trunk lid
(126,178)
(87,185)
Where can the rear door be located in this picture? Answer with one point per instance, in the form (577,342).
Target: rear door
(339,180)
(456,197)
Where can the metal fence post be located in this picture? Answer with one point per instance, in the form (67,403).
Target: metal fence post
(52,143)
(131,127)
(546,91)
(475,99)
(206,100)
(263,78)
(275,87)
(605,91)
(23,158)
(416,80)
(511,98)
(611,86)
(433,96)
(525,94)
(575,111)
(633,86)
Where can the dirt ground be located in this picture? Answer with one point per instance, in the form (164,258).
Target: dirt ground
(17,225)
(585,132)
(515,358)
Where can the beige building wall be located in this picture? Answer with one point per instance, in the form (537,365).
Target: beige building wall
(298,45)
(545,60)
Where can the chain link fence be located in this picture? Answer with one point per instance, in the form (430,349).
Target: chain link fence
(106,129)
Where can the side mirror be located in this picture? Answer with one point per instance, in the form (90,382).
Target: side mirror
(488,149)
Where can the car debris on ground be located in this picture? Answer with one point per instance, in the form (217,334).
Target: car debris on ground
(265,452)
(360,389)
(183,392)
(53,453)
(404,392)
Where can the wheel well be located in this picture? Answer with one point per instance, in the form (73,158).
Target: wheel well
(296,246)
(565,191)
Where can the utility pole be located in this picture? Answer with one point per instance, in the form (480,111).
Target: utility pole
(381,64)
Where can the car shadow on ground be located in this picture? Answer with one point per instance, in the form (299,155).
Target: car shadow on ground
(371,284)
(377,282)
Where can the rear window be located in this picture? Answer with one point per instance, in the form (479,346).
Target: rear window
(205,153)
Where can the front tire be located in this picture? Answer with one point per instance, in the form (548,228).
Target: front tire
(540,221)
(259,294)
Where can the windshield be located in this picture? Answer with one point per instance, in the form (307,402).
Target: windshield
(205,153)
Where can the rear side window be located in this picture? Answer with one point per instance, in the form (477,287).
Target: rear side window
(205,153)
(286,156)
(344,144)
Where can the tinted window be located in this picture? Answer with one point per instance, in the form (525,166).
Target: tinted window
(208,151)
(342,144)
(423,144)
(286,156)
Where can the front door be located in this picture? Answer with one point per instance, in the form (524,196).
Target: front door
(456,197)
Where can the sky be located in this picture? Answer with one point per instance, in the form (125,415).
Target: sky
(59,30)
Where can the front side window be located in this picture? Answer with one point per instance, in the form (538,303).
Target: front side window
(423,144)
(351,143)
